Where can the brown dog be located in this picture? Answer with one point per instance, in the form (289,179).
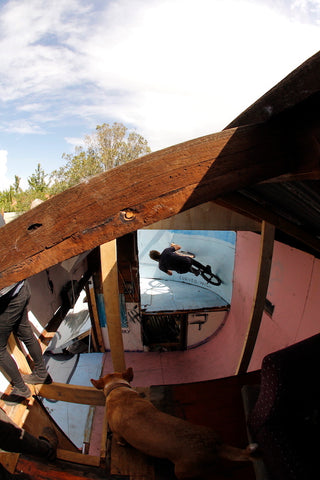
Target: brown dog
(194,449)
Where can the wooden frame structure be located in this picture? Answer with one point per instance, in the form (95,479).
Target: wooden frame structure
(256,147)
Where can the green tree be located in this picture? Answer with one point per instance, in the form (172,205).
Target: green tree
(16,185)
(113,145)
(78,167)
(37,181)
(6,200)
(108,147)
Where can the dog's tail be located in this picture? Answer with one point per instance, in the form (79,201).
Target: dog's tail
(239,454)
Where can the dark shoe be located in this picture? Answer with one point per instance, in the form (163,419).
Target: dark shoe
(49,435)
(17,395)
(208,270)
(34,378)
(21,392)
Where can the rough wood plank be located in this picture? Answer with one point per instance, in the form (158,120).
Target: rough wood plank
(208,216)
(266,252)
(9,460)
(241,204)
(59,470)
(96,328)
(125,460)
(139,193)
(109,273)
(76,457)
(104,435)
(71,393)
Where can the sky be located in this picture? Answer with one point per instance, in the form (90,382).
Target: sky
(171,70)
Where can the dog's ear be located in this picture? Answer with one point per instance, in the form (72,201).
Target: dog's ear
(128,375)
(99,384)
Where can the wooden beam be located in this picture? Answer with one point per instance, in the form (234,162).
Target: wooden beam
(71,393)
(104,436)
(38,468)
(9,460)
(266,252)
(96,328)
(208,216)
(109,272)
(245,206)
(76,457)
(140,193)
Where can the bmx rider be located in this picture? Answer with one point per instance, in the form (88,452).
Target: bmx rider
(172,260)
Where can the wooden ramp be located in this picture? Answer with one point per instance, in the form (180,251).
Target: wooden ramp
(114,461)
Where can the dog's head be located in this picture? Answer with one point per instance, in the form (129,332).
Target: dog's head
(111,378)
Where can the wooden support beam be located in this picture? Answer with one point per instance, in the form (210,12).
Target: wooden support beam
(96,328)
(142,192)
(76,457)
(104,436)
(39,469)
(245,206)
(71,393)
(109,272)
(9,460)
(266,252)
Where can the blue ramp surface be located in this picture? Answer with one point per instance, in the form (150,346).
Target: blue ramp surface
(160,291)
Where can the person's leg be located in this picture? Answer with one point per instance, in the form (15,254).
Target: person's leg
(16,439)
(24,332)
(206,269)
(196,267)
(10,311)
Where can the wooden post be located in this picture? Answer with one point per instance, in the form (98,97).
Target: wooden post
(104,436)
(266,252)
(96,328)
(109,272)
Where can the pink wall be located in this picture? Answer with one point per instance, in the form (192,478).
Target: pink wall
(293,290)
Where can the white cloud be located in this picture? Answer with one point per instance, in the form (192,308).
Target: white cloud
(4,181)
(22,126)
(173,69)
(75,141)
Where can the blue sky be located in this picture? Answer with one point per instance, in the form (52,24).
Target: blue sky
(170,69)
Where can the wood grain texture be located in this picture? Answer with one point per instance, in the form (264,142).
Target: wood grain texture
(71,393)
(153,187)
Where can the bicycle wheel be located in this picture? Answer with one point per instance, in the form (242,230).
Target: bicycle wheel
(211,278)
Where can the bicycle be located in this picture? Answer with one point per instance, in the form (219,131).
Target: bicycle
(204,271)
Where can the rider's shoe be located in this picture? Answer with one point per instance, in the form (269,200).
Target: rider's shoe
(207,269)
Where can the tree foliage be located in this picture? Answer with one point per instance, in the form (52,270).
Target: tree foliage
(37,180)
(108,147)
(113,145)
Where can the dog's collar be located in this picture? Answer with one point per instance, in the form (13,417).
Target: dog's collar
(113,386)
